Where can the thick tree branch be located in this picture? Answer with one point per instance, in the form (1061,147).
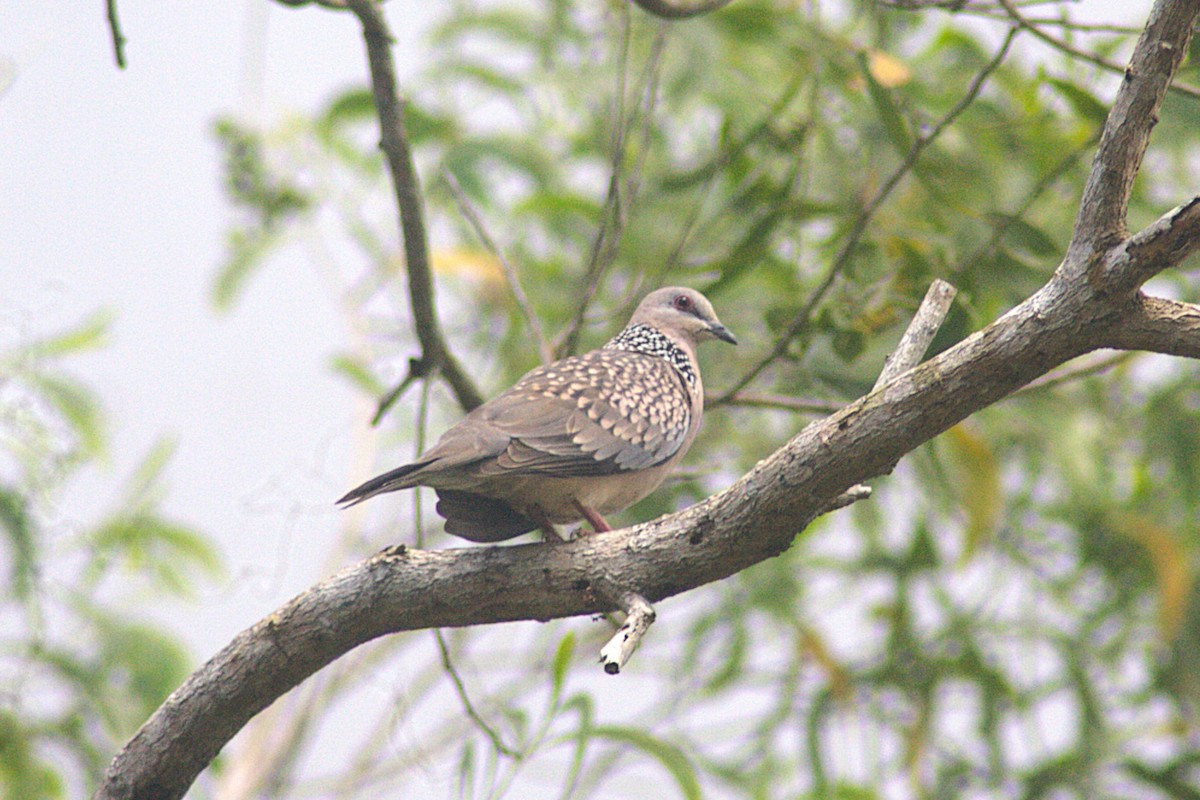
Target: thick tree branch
(1166,243)
(1160,49)
(394,143)
(1160,326)
(758,517)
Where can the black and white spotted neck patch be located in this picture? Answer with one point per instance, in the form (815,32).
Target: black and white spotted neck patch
(653,342)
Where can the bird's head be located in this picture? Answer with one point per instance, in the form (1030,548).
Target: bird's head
(683,313)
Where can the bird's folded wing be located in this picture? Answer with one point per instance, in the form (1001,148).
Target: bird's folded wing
(631,420)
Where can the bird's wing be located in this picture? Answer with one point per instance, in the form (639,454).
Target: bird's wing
(602,413)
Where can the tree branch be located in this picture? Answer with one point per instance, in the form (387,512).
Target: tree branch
(1172,238)
(510,275)
(920,332)
(1160,49)
(118,38)
(394,143)
(1159,326)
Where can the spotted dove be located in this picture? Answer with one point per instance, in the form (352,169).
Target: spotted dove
(585,436)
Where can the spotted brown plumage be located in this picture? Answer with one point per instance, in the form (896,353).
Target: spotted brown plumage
(584,436)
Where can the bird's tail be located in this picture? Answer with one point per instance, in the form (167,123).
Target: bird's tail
(399,478)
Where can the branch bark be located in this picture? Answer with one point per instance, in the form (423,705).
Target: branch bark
(1081,308)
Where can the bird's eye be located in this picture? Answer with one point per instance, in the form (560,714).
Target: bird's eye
(683,302)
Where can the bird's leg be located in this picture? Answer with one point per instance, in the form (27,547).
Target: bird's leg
(599,524)
(550,534)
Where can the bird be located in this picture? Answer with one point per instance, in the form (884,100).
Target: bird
(584,436)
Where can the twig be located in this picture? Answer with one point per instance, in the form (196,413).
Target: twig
(1058,44)
(417,368)
(1044,183)
(118,38)
(684,10)
(920,332)
(639,617)
(866,215)
(782,402)
(510,275)
(611,219)
(461,690)
(1073,373)
(394,143)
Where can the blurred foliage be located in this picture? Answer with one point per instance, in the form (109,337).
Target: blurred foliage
(1015,613)
(78,671)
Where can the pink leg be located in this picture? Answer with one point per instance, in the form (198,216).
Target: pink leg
(550,534)
(599,524)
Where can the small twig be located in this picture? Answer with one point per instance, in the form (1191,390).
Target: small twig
(510,275)
(852,495)
(782,402)
(1058,44)
(394,143)
(1073,373)
(639,617)
(867,214)
(680,10)
(118,38)
(611,216)
(461,690)
(920,332)
(416,369)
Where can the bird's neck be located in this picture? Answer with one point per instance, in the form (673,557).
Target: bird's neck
(653,342)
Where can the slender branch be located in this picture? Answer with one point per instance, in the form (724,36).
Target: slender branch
(118,38)
(1075,371)
(782,402)
(394,143)
(1159,50)
(460,689)
(1032,26)
(510,274)
(920,332)
(611,217)
(1041,187)
(680,10)
(850,243)
(417,369)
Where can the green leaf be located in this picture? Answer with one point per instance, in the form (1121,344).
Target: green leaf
(667,754)
(91,334)
(160,548)
(149,663)
(893,123)
(562,662)
(1085,104)
(1022,235)
(359,374)
(247,252)
(14,518)
(79,409)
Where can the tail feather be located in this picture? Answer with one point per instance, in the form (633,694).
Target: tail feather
(396,479)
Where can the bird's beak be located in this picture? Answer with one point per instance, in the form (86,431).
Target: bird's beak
(721,332)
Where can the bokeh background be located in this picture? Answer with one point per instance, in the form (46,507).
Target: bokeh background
(201,300)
